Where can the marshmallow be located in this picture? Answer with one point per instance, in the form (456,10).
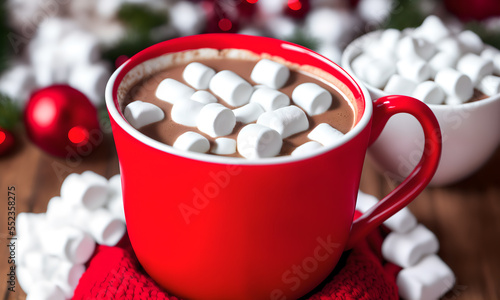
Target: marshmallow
(17,83)
(80,190)
(286,121)
(470,41)
(203,97)
(192,141)
(139,113)
(401,222)
(248,113)
(492,54)
(185,112)
(429,92)
(27,224)
(88,189)
(105,228)
(451,46)
(442,60)
(399,85)
(115,202)
(365,201)
(375,72)
(216,120)
(415,69)
(41,265)
(410,48)
(115,186)
(115,207)
(187,18)
(306,148)
(431,278)
(258,141)
(59,212)
(44,290)
(390,38)
(25,277)
(452,100)
(269,99)
(270,73)
(360,63)
(489,85)
(426,49)
(67,242)
(231,88)
(224,146)
(475,67)
(198,75)
(93,177)
(406,249)
(171,90)
(79,47)
(91,80)
(432,30)
(312,98)
(455,84)
(385,46)
(66,277)
(325,134)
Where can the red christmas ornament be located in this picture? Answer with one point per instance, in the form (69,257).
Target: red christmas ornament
(468,10)
(221,16)
(6,141)
(297,9)
(61,120)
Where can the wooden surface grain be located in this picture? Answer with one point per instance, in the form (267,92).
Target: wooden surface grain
(464,216)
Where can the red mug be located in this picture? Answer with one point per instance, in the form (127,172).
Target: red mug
(211,227)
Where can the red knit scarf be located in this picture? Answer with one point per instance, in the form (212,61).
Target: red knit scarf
(115,273)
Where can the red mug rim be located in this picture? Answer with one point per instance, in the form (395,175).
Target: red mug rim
(255,44)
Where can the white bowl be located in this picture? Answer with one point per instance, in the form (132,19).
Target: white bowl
(471,133)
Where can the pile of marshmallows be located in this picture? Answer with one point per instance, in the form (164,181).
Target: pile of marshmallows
(430,63)
(54,246)
(264,104)
(413,247)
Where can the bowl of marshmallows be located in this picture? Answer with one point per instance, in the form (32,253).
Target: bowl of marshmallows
(454,73)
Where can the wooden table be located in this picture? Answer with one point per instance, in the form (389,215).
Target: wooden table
(465,216)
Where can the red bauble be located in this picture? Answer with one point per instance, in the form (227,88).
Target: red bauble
(473,10)
(297,9)
(6,141)
(61,120)
(221,17)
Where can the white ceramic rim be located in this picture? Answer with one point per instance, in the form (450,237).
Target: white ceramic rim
(355,48)
(357,129)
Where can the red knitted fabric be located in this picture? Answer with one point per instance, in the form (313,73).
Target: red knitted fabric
(114,273)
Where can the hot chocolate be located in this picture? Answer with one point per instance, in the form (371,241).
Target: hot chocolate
(339,114)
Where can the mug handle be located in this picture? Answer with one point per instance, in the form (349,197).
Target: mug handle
(384,108)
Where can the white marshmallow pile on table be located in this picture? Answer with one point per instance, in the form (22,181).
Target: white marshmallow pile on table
(54,246)
(266,112)
(61,52)
(413,247)
(430,63)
